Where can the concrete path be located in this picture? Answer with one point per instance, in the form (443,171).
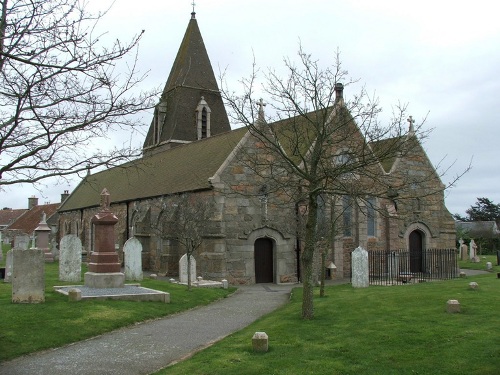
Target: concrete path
(148,347)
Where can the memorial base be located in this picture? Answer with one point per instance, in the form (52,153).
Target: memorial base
(104,280)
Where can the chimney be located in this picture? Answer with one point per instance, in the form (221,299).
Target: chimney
(64,196)
(32,202)
(339,92)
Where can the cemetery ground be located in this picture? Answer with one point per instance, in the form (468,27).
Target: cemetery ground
(401,329)
(376,330)
(27,328)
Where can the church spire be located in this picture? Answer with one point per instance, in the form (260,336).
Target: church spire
(193,13)
(191,78)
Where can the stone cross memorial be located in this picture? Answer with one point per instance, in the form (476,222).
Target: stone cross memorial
(70,259)
(360,268)
(133,259)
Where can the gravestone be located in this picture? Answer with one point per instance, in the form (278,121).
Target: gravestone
(260,342)
(473,252)
(183,269)
(452,306)
(463,252)
(42,239)
(8,267)
(28,276)
(133,259)
(489,266)
(70,259)
(21,241)
(359,266)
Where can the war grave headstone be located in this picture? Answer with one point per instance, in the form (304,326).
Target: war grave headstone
(360,268)
(70,259)
(183,269)
(28,276)
(21,241)
(133,259)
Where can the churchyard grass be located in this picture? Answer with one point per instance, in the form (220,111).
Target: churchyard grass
(377,330)
(482,264)
(26,328)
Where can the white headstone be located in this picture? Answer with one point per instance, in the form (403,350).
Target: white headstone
(8,267)
(133,259)
(472,250)
(489,265)
(70,259)
(21,241)
(183,269)
(359,264)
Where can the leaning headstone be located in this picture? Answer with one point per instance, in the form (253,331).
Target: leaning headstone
(183,269)
(359,266)
(28,276)
(70,259)
(133,259)
(8,266)
(452,306)
(260,342)
(21,241)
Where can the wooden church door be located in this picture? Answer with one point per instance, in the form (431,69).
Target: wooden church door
(263,254)
(416,251)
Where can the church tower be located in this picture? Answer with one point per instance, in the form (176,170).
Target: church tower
(191,106)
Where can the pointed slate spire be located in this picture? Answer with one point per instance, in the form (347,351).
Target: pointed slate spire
(191,77)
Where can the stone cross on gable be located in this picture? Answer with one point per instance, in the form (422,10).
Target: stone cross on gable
(261,105)
(411,121)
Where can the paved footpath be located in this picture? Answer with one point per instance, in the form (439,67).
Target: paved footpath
(148,347)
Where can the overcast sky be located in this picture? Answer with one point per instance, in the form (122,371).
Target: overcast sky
(440,57)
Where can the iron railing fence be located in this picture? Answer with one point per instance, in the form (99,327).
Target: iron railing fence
(402,267)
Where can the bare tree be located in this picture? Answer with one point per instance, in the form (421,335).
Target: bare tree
(61,91)
(317,143)
(186,219)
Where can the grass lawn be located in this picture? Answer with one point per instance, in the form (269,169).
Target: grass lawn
(26,328)
(482,264)
(377,330)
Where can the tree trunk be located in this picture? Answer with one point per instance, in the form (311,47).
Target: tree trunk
(308,259)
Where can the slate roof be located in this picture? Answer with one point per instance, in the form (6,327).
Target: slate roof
(29,221)
(183,168)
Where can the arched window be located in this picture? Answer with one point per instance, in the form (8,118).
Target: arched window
(370,217)
(203,119)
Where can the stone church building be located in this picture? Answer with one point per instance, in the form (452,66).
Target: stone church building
(252,236)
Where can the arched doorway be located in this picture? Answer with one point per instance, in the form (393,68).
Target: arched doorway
(263,255)
(416,242)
